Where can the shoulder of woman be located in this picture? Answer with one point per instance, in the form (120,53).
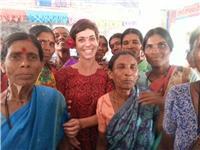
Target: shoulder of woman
(104,99)
(179,88)
(50,93)
(188,74)
(63,72)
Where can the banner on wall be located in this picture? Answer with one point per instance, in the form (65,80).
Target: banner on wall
(10,15)
(188,11)
(181,22)
(47,17)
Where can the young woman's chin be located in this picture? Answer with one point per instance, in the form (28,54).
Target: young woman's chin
(89,56)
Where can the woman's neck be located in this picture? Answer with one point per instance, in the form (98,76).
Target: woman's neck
(87,67)
(160,70)
(121,94)
(19,93)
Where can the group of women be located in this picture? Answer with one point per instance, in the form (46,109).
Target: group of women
(121,107)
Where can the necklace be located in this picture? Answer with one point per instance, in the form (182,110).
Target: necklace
(7,110)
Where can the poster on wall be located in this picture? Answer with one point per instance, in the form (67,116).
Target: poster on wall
(181,23)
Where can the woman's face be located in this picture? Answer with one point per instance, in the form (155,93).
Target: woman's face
(196,53)
(47,42)
(86,44)
(115,45)
(132,42)
(22,63)
(157,51)
(125,72)
(102,49)
(61,34)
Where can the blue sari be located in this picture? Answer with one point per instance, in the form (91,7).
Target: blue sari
(38,124)
(133,126)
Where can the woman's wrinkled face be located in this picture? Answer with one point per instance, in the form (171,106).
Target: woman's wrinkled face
(157,51)
(22,63)
(86,44)
(196,53)
(47,42)
(125,72)
(132,43)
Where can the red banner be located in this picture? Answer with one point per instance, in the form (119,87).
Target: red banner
(12,15)
(188,11)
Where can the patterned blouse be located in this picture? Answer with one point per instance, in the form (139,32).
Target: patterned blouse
(180,118)
(84,92)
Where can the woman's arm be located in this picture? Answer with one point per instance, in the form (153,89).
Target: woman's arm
(73,126)
(102,143)
(88,122)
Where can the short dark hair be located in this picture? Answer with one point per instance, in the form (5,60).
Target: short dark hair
(38,29)
(116,35)
(18,36)
(81,25)
(194,35)
(116,56)
(133,31)
(159,31)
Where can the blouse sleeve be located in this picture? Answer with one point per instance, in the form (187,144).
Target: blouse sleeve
(169,123)
(101,119)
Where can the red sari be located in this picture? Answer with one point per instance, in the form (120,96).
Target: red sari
(84,92)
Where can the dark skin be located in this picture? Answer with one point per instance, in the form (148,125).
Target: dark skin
(16,98)
(63,53)
(158,57)
(125,67)
(154,97)
(22,66)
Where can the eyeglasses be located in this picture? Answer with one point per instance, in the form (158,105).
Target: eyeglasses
(160,46)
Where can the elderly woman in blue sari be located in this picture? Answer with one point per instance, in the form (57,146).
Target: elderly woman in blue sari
(31,116)
(124,123)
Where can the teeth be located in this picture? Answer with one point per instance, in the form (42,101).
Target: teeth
(88,51)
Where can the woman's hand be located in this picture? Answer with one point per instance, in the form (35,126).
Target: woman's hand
(150,97)
(74,143)
(72,127)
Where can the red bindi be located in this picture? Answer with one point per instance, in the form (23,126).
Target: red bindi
(24,50)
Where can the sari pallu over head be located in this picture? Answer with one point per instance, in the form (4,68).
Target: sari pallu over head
(132,127)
